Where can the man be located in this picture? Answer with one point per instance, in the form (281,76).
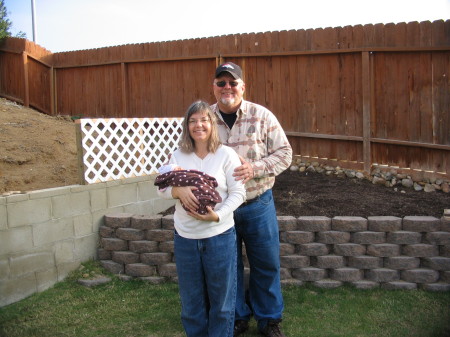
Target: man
(256,135)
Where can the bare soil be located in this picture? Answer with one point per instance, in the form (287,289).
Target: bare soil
(315,194)
(38,151)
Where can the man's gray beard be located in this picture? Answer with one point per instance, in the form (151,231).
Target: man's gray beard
(227,101)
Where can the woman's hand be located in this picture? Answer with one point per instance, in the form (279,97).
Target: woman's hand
(210,216)
(243,172)
(187,198)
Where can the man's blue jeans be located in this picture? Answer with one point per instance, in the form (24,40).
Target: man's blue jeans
(257,226)
(207,283)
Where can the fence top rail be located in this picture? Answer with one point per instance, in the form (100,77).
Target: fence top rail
(85,121)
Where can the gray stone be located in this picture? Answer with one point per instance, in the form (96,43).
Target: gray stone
(146,222)
(365,262)
(327,284)
(286,249)
(420,250)
(346,274)
(125,257)
(140,270)
(309,274)
(404,237)
(364,284)
(313,223)
(291,282)
(383,250)
(168,270)
(294,261)
(144,246)
(384,223)
(399,285)
(407,183)
(436,263)
(439,286)
(167,222)
(159,235)
(156,258)
(166,247)
(297,237)
(349,223)
(368,237)
(329,261)
(420,275)
(112,267)
(287,223)
(312,249)
(401,262)
(382,275)
(349,249)
(437,238)
(94,282)
(153,279)
(113,244)
(421,224)
(119,220)
(130,234)
(333,237)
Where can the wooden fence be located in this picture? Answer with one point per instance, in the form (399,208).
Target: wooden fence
(355,96)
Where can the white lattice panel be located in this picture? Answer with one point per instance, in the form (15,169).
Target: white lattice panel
(123,148)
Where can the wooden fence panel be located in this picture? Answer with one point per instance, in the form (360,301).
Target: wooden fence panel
(360,95)
(405,98)
(89,91)
(162,89)
(39,85)
(11,82)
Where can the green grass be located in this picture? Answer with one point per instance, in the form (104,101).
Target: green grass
(136,308)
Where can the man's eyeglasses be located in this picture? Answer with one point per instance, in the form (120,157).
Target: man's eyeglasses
(221,84)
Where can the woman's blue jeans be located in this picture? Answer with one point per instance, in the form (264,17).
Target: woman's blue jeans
(257,226)
(207,283)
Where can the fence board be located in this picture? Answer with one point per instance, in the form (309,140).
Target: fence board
(39,85)
(441,99)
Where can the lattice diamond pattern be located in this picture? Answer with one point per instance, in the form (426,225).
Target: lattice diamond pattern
(123,148)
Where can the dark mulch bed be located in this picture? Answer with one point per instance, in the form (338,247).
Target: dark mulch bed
(316,194)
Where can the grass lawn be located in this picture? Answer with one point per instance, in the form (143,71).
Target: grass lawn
(136,308)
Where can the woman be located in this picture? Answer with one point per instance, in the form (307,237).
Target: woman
(205,244)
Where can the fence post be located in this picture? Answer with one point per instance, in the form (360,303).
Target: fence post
(79,138)
(52,92)
(26,100)
(366,101)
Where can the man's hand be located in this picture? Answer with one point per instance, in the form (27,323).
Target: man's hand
(210,216)
(243,172)
(187,198)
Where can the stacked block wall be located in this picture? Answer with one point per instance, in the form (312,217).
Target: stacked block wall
(390,252)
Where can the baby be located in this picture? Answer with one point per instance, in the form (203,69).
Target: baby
(206,194)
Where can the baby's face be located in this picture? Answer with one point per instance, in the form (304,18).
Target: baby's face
(177,168)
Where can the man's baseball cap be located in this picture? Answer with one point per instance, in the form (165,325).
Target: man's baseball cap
(231,68)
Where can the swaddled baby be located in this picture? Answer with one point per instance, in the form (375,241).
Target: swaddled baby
(206,194)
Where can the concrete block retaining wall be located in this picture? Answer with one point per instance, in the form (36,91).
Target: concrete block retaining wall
(389,252)
(46,234)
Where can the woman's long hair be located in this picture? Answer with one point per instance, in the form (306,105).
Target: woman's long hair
(186,143)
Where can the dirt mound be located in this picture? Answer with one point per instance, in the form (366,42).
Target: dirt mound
(37,151)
